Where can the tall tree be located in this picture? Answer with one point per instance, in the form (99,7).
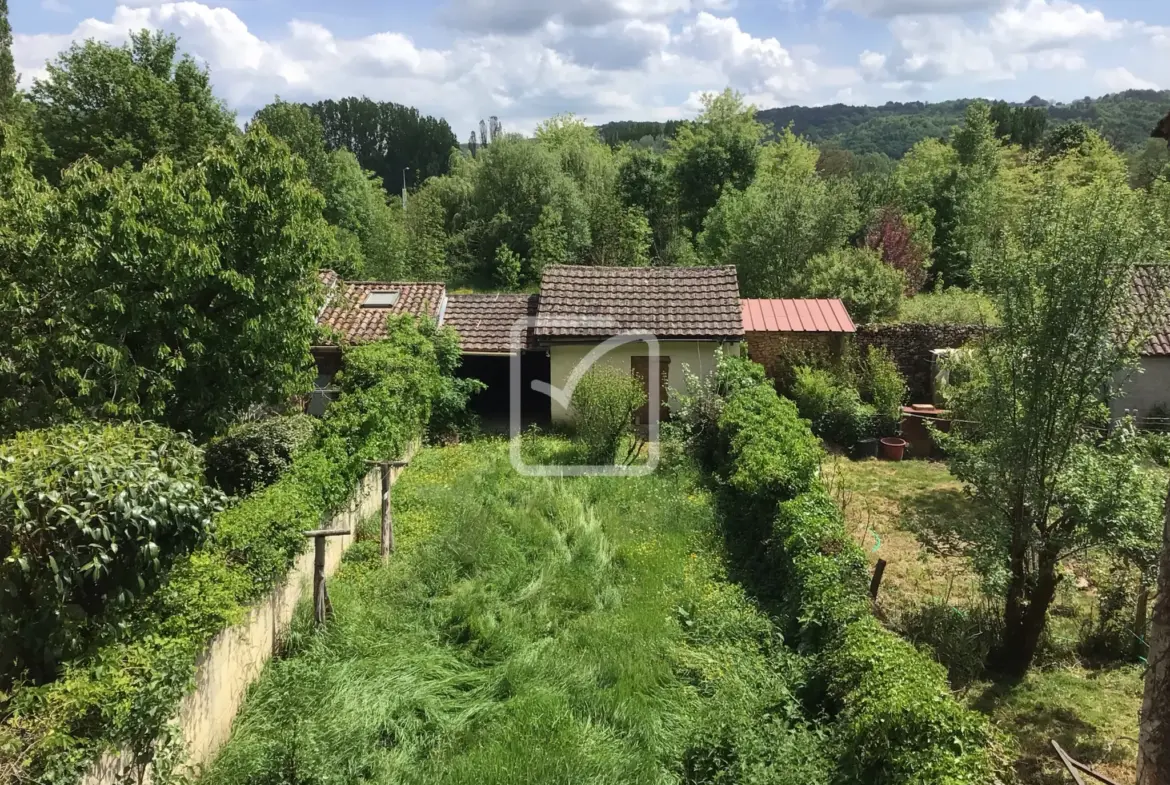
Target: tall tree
(483,134)
(302,131)
(180,294)
(1046,491)
(1154,738)
(125,105)
(387,138)
(471,144)
(7,67)
(718,151)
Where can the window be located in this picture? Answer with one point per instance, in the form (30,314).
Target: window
(380,300)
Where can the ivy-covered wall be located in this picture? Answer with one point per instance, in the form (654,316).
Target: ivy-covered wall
(911,344)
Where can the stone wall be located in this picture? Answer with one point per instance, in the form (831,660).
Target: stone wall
(910,346)
(777,351)
(237,655)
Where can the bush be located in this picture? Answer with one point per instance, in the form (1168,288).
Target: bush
(253,455)
(884,387)
(950,306)
(604,402)
(834,408)
(870,289)
(766,453)
(124,692)
(91,518)
(699,407)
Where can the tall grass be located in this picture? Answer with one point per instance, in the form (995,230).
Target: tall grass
(532,631)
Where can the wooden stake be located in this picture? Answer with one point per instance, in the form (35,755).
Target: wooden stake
(387,521)
(875,584)
(321,607)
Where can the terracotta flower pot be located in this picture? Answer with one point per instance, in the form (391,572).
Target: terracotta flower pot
(893,448)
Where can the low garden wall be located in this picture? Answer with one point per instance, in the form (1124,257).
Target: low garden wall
(237,655)
(910,346)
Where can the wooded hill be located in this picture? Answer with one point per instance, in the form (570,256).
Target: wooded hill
(1125,119)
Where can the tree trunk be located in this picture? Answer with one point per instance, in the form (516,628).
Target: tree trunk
(1154,739)
(1025,612)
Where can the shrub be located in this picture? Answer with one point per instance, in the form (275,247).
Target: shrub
(898,720)
(91,517)
(870,289)
(698,409)
(766,453)
(892,236)
(884,387)
(604,402)
(950,306)
(253,455)
(834,408)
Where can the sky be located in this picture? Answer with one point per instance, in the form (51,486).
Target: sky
(526,60)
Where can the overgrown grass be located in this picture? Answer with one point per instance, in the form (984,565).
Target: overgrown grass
(936,602)
(532,631)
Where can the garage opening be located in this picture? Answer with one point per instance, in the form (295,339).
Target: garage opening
(494,405)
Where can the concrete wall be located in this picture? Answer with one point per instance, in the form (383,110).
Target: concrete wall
(1145,389)
(698,355)
(237,655)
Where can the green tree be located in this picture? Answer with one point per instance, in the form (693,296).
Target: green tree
(508,268)
(870,289)
(1022,442)
(717,152)
(919,184)
(7,67)
(644,182)
(772,229)
(1148,162)
(387,138)
(302,131)
(125,105)
(185,295)
(426,236)
(356,204)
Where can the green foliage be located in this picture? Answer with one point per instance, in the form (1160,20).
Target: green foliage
(127,104)
(949,306)
(870,289)
(7,67)
(765,451)
(253,455)
(771,230)
(507,270)
(603,405)
(715,154)
(884,387)
(1021,447)
(186,296)
(387,138)
(91,518)
(833,406)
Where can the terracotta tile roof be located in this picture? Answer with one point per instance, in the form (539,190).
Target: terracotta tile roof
(344,313)
(669,302)
(485,321)
(1151,290)
(797,316)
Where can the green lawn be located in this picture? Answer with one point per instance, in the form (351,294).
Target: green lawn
(1091,711)
(532,631)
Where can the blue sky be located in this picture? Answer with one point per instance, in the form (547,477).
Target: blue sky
(525,60)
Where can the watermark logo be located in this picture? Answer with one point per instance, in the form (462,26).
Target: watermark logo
(645,345)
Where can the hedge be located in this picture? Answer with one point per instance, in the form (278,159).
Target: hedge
(895,718)
(253,455)
(124,693)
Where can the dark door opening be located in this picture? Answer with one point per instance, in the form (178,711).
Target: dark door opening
(494,404)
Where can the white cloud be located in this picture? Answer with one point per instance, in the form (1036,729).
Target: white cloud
(1117,79)
(1022,36)
(624,68)
(526,16)
(890,8)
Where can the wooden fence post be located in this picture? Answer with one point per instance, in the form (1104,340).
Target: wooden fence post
(879,569)
(387,542)
(321,608)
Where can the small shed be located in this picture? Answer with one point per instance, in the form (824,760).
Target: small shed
(780,331)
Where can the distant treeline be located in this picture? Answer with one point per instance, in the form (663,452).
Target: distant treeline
(1125,119)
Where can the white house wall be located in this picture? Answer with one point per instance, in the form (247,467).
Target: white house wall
(698,355)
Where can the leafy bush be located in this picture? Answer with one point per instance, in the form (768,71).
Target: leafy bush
(870,289)
(450,415)
(254,454)
(1109,636)
(950,306)
(91,518)
(604,402)
(766,452)
(124,693)
(960,638)
(698,409)
(884,387)
(895,719)
(834,408)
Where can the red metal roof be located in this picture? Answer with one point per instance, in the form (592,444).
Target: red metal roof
(796,316)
